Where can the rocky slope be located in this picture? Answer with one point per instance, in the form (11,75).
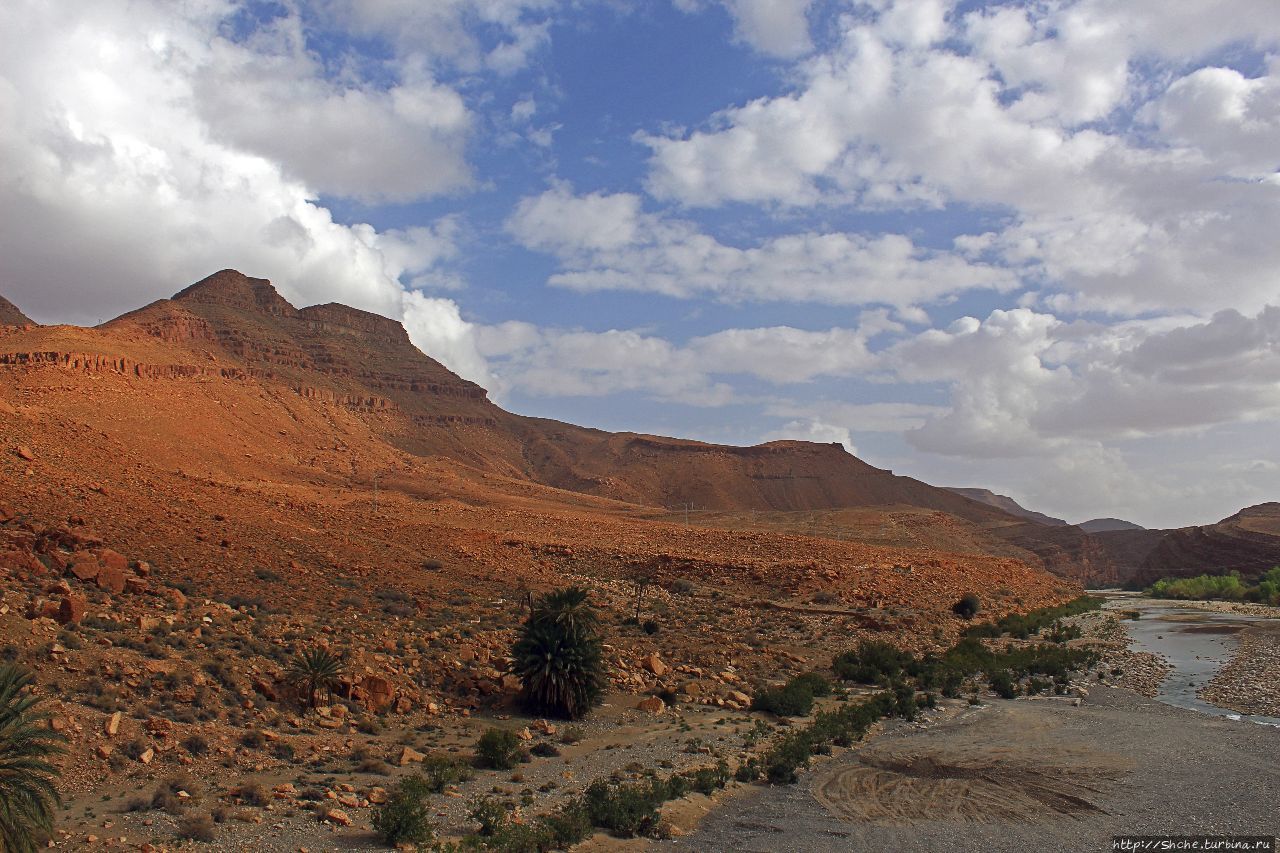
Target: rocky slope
(1108,525)
(1247,542)
(10,315)
(1007,504)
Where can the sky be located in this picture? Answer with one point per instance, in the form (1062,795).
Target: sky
(1032,247)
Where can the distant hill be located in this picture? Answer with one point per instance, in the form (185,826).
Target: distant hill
(1007,504)
(11,316)
(1107,525)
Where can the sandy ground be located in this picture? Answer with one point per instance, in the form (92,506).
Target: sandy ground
(1020,776)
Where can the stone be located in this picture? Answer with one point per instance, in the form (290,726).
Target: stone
(103,750)
(112,726)
(378,693)
(147,756)
(377,796)
(654,664)
(25,452)
(110,579)
(408,755)
(70,609)
(653,705)
(84,566)
(339,817)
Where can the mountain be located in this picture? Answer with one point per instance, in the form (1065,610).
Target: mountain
(1107,525)
(11,316)
(235,442)
(1247,542)
(230,383)
(1005,503)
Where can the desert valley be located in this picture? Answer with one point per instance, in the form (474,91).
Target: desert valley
(200,491)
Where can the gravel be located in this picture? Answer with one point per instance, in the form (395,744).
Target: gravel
(1180,772)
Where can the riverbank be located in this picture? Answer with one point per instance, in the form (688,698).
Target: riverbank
(1250,683)
(1038,774)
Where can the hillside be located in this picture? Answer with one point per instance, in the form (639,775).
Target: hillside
(1007,504)
(1108,525)
(1247,542)
(10,315)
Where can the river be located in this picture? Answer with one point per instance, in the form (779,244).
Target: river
(1196,644)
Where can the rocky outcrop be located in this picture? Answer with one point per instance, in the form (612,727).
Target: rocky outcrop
(1247,542)
(1007,504)
(11,316)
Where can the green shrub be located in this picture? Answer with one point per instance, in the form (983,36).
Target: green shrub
(1003,684)
(967,606)
(817,683)
(904,701)
(790,700)
(569,825)
(406,816)
(440,771)
(489,813)
(498,749)
(708,780)
(873,662)
(626,810)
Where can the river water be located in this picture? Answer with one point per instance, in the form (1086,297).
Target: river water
(1196,644)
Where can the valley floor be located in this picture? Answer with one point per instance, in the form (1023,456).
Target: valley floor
(1021,776)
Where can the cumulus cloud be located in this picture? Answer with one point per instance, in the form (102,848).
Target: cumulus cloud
(1127,193)
(605,242)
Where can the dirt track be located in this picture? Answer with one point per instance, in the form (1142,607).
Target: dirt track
(1021,776)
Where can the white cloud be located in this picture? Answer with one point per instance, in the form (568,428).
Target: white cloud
(1030,110)
(777,28)
(606,243)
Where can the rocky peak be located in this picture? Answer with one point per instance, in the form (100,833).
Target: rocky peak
(11,316)
(335,317)
(236,290)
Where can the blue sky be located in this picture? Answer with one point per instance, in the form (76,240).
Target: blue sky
(1023,246)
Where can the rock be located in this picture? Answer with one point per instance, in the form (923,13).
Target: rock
(84,566)
(378,693)
(409,754)
(147,755)
(525,734)
(70,609)
(740,697)
(377,796)
(110,579)
(113,559)
(148,623)
(655,665)
(25,452)
(112,726)
(339,817)
(545,727)
(511,683)
(653,705)
(103,750)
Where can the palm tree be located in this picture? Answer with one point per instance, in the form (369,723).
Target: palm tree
(569,608)
(558,656)
(27,794)
(314,670)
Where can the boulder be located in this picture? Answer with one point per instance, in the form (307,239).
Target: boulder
(84,566)
(653,705)
(110,579)
(112,725)
(338,816)
(70,609)
(654,664)
(378,693)
(409,755)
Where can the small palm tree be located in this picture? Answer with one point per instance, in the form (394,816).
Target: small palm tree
(27,794)
(558,656)
(569,608)
(313,670)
